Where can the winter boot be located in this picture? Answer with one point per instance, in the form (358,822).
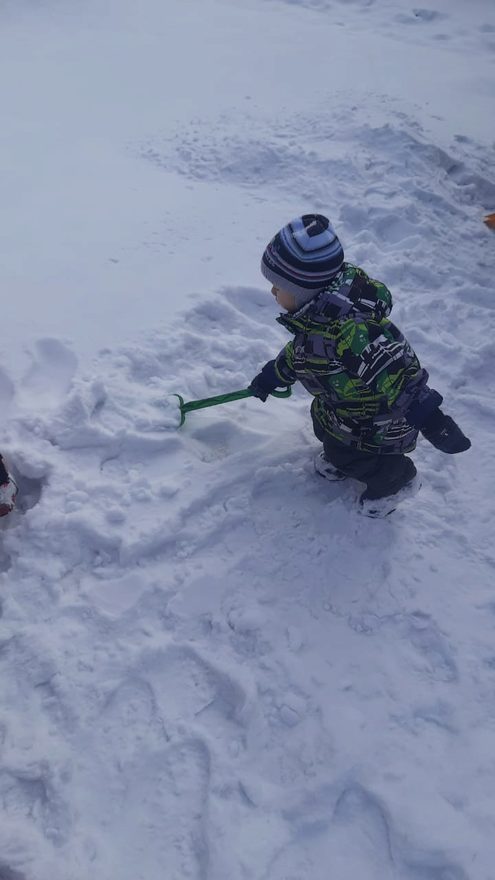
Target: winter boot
(326,469)
(377,508)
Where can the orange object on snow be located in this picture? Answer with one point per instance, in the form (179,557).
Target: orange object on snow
(490,221)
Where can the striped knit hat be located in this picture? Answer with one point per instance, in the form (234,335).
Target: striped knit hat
(303,257)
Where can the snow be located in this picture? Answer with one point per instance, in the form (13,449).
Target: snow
(211,666)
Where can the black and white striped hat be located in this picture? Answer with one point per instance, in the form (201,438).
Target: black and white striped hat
(303,257)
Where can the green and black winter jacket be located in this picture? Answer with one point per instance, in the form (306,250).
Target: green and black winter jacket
(363,374)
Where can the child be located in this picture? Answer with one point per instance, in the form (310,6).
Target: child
(370,392)
(8,490)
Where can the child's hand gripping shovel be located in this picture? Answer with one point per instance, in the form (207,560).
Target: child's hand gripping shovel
(191,405)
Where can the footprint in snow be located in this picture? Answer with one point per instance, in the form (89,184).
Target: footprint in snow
(163,818)
(435,656)
(30,793)
(354,836)
(130,720)
(189,690)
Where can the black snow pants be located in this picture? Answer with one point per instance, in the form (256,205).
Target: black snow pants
(382,474)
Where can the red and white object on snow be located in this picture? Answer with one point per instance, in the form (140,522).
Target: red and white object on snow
(8,490)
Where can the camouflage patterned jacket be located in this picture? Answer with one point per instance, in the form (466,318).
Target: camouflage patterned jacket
(362,372)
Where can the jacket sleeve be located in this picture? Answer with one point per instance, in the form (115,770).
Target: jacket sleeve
(283,365)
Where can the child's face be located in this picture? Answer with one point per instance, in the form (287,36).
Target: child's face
(285,299)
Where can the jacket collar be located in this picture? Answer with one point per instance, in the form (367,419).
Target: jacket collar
(351,294)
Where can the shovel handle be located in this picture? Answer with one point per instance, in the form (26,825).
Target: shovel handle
(220,398)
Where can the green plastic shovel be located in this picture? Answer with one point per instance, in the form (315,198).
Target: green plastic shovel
(220,398)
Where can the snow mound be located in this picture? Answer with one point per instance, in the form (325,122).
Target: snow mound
(201,641)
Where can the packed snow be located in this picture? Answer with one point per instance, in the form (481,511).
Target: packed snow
(211,666)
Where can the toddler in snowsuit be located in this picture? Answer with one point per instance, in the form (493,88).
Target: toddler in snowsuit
(370,393)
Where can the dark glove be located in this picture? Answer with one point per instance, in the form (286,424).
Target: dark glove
(443,433)
(265,382)
(426,402)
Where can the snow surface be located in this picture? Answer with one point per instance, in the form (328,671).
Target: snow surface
(211,666)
